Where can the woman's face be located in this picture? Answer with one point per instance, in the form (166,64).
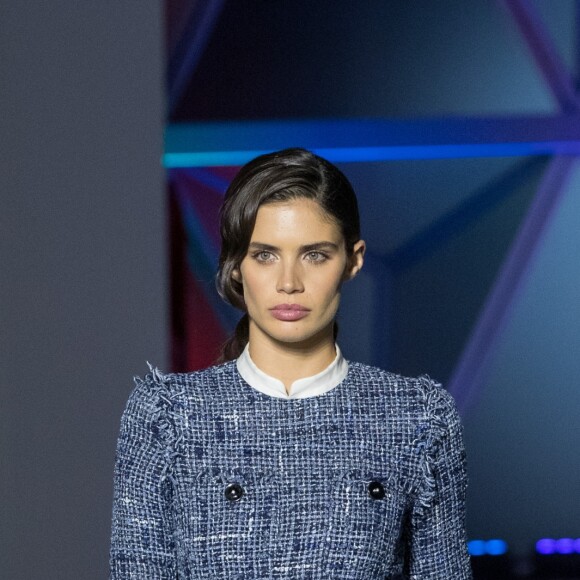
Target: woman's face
(293,272)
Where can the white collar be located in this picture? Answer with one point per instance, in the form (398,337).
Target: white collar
(317,384)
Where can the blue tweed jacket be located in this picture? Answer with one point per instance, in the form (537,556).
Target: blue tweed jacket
(217,480)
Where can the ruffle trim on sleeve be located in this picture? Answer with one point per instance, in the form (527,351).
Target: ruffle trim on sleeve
(165,418)
(429,435)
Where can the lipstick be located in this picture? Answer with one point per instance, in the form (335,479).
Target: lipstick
(289,312)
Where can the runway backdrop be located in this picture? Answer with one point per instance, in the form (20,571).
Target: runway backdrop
(457,122)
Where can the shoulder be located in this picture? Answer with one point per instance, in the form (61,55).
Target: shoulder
(158,389)
(159,402)
(421,397)
(208,376)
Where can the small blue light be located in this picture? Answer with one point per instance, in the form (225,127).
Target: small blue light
(496,547)
(476,547)
(565,546)
(493,547)
(546,546)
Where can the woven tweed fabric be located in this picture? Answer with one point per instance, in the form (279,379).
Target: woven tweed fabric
(364,482)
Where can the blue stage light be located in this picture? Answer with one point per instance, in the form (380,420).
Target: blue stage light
(565,546)
(476,547)
(174,159)
(493,547)
(549,546)
(496,547)
(546,546)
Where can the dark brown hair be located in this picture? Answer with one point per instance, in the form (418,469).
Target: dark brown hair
(276,177)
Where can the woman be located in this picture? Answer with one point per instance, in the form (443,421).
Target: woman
(285,460)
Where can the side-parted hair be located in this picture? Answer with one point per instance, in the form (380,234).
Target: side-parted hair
(276,177)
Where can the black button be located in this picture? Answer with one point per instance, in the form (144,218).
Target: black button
(234,491)
(376,490)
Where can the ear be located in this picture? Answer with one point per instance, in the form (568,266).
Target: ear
(237,275)
(356,260)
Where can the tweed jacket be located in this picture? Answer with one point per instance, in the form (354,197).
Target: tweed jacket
(217,480)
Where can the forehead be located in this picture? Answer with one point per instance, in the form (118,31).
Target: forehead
(301,219)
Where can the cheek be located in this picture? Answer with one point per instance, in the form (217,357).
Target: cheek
(252,283)
(328,288)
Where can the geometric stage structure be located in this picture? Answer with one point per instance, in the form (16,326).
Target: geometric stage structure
(201,158)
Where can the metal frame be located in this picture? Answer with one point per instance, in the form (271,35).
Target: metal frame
(190,47)
(467,379)
(347,140)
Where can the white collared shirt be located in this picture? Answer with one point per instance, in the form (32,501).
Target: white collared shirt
(317,384)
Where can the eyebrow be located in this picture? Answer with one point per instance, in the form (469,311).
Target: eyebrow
(305,248)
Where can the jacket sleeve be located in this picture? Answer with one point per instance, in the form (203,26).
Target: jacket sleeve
(142,543)
(438,543)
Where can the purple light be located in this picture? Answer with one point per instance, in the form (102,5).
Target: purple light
(549,546)
(565,546)
(546,546)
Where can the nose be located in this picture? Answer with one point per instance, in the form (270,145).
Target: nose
(290,279)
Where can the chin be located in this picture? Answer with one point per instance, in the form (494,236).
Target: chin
(295,333)
(296,338)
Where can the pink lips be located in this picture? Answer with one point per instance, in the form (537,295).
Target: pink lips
(289,312)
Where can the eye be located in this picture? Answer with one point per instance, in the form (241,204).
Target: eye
(316,256)
(263,256)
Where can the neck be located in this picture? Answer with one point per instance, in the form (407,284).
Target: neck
(289,362)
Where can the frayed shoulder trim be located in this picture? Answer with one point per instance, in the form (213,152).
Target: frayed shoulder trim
(165,403)
(430,433)
(153,377)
